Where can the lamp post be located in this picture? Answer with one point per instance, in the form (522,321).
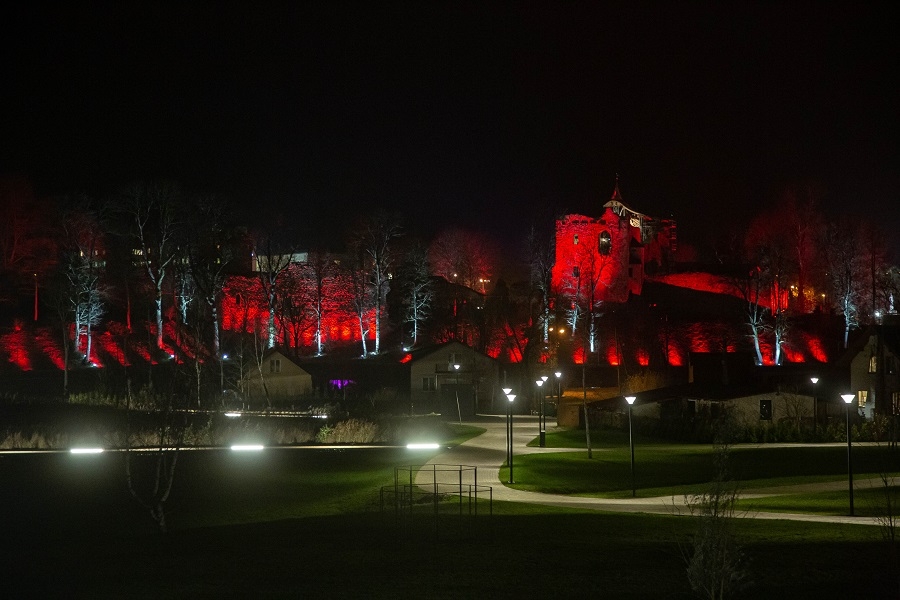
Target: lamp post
(509,435)
(539,383)
(506,392)
(458,411)
(848,398)
(814,381)
(630,400)
(558,393)
(222,360)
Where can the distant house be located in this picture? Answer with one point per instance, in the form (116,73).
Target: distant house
(748,409)
(452,379)
(874,366)
(720,382)
(276,380)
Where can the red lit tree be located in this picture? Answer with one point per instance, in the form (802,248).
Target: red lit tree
(585,290)
(463,257)
(27,239)
(293,306)
(804,226)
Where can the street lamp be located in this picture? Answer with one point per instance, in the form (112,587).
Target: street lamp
(542,430)
(630,400)
(509,434)
(814,381)
(458,412)
(848,398)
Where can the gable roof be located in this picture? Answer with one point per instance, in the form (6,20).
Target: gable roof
(275,353)
(417,354)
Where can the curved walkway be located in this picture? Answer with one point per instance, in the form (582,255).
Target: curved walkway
(487,452)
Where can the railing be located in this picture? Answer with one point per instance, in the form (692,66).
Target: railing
(450,494)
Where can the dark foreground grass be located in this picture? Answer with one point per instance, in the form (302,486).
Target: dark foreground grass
(306,523)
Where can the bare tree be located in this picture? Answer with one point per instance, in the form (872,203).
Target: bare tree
(210,254)
(271,262)
(82,268)
(846,270)
(185,286)
(795,228)
(541,256)
(155,227)
(321,274)
(293,305)
(716,566)
(360,300)
(417,289)
(372,242)
(749,288)
(150,471)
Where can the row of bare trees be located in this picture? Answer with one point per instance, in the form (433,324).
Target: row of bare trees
(157,251)
(798,261)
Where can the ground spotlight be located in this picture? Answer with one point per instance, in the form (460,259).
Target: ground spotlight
(247,447)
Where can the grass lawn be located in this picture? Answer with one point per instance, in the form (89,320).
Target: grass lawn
(307,523)
(666,469)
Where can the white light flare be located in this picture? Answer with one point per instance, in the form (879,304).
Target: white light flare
(423,446)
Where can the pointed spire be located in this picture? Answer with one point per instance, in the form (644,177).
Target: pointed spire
(617,195)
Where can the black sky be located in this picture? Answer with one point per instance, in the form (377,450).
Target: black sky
(478,114)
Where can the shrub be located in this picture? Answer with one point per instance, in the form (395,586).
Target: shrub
(351,431)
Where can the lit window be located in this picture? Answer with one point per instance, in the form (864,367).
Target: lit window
(275,365)
(604,243)
(862,395)
(873,364)
(575,240)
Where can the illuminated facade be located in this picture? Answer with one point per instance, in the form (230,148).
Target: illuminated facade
(605,259)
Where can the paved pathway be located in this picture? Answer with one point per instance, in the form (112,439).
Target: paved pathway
(487,452)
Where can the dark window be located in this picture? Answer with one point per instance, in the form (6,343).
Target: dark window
(429,384)
(275,365)
(604,243)
(765,410)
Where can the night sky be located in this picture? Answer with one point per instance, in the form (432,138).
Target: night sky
(485,115)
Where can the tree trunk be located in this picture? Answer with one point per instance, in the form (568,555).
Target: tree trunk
(159,319)
(362,335)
